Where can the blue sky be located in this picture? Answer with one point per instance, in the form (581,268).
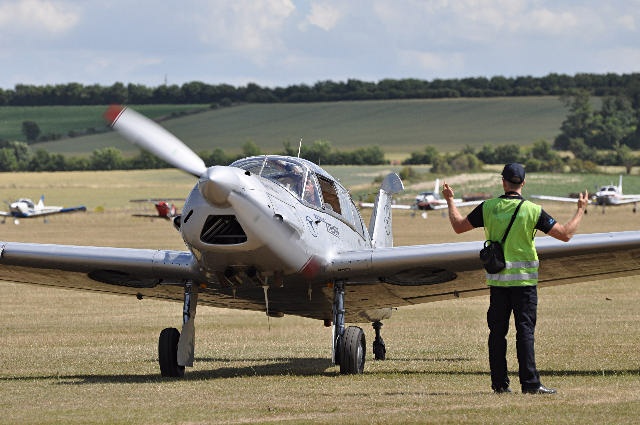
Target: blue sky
(283,42)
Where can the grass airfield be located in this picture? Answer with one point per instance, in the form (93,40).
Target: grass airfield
(75,357)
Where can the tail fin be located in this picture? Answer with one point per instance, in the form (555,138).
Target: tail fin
(380,224)
(620,185)
(40,203)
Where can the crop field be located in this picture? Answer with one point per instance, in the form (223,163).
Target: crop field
(62,119)
(74,357)
(398,127)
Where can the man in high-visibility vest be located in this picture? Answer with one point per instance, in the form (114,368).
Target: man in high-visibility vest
(513,289)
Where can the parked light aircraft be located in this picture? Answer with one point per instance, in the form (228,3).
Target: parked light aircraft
(163,208)
(607,195)
(433,201)
(26,208)
(281,235)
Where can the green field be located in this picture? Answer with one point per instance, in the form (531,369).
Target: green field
(82,358)
(62,119)
(399,127)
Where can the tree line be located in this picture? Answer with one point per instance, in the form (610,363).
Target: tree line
(604,136)
(197,92)
(18,156)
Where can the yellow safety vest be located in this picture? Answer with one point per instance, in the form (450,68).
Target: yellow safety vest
(519,249)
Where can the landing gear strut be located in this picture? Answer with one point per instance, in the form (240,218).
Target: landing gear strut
(176,351)
(349,345)
(379,349)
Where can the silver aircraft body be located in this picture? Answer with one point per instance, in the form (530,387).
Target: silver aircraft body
(26,208)
(280,235)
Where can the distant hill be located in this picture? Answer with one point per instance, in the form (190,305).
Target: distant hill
(399,127)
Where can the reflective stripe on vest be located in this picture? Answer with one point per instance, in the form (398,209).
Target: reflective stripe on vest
(519,249)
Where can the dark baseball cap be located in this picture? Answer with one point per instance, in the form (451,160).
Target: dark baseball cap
(513,172)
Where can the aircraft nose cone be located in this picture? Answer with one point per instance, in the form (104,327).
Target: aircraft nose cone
(217,183)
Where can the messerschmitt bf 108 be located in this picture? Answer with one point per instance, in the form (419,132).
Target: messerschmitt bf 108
(279,234)
(26,208)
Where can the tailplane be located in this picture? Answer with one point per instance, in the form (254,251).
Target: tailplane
(380,227)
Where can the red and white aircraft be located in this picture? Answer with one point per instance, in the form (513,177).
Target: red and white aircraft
(163,208)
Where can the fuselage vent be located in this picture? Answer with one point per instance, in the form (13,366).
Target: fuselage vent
(222,230)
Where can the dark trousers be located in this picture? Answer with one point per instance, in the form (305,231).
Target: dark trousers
(523,302)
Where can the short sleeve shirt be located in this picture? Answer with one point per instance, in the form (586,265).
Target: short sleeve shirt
(544,224)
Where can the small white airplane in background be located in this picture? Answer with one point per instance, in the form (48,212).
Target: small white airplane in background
(433,201)
(612,195)
(278,234)
(26,208)
(607,195)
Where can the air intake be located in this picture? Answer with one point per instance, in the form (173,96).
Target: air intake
(222,230)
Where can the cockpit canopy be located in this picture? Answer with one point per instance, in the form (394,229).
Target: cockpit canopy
(293,174)
(309,183)
(26,201)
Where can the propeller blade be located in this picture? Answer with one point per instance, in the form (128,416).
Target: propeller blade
(150,136)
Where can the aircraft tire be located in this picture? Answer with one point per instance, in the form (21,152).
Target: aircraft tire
(352,351)
(168,353)
(379,350)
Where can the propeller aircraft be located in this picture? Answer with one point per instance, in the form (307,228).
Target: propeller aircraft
(26,208)
(432,201)
(607,195)
(163,208)
(279,234)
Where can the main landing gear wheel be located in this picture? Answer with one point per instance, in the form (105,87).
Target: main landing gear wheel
(168,353)
(352,351)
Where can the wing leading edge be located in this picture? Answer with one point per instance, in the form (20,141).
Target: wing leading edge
(100,269)
(374,279)
(424,273)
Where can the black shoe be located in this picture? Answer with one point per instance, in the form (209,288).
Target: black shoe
(502,390)
(540,390)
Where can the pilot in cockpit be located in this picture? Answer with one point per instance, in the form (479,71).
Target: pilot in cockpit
(311,194)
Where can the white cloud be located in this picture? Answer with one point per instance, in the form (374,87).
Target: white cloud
(295,41)
(245,26)
(30,17)
(325,15)
(432,63)
(627,22)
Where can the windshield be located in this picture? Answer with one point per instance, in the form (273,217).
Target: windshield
(287,173)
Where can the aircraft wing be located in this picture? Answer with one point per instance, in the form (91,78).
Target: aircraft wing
(444,206)
(52,211)
(554,198)
(627,199)
(424,273)
(100,269)
(5,214)
(394,206)
(374,279)
(432,206)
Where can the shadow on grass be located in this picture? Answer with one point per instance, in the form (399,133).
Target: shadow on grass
(288,367)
